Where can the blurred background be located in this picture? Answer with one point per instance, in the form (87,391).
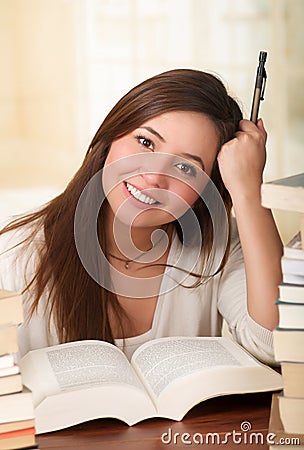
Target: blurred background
(65,63)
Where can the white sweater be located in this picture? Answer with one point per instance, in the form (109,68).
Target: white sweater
(180,311)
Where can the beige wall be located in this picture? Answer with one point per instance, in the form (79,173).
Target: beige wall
(66,62)
(37,93)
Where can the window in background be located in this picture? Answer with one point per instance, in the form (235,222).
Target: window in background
(69,61)
(131,40)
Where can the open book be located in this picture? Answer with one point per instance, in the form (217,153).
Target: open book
(85,380)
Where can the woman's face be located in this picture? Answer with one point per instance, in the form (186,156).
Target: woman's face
(155,173)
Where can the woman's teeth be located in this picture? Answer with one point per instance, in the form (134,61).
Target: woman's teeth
(139,195)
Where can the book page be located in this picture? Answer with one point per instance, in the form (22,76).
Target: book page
(75,365)
(89,364)
(162,361)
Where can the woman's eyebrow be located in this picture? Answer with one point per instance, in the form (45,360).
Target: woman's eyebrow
(151,130)
(196,158)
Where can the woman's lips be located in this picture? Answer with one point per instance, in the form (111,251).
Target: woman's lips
(138,196)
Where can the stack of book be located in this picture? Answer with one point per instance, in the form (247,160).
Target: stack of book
(287,412)
(17,424)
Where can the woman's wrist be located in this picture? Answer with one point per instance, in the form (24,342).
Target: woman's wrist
(248,196)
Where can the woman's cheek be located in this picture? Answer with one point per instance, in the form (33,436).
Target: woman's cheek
(187,194)
(182,199)
(116,152)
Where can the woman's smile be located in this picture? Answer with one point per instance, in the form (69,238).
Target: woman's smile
(141,199)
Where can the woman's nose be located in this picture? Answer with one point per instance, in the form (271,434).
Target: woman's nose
(155,179)
(156,169)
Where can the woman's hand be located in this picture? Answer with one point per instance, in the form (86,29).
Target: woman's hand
(242,159)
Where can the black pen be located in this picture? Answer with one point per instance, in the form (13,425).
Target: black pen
(259,88)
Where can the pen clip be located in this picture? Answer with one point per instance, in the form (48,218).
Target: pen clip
(263,84)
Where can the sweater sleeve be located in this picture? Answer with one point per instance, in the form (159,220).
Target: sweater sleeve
(232,305)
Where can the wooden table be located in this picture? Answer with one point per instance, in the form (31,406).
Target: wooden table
(218,415)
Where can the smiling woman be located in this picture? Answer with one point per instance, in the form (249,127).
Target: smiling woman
(141,243)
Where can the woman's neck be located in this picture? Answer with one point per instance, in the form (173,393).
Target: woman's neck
(123,240)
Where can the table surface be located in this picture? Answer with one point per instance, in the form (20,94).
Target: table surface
(243,415)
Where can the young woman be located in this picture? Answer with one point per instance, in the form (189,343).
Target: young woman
(136,248)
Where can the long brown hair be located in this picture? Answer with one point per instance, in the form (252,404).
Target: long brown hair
(80,306)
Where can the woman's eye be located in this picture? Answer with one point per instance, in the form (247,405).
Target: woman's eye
(187,169)
(145,142)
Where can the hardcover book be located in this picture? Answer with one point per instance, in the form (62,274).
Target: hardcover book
(278,436)
(80,381)
(284,193)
